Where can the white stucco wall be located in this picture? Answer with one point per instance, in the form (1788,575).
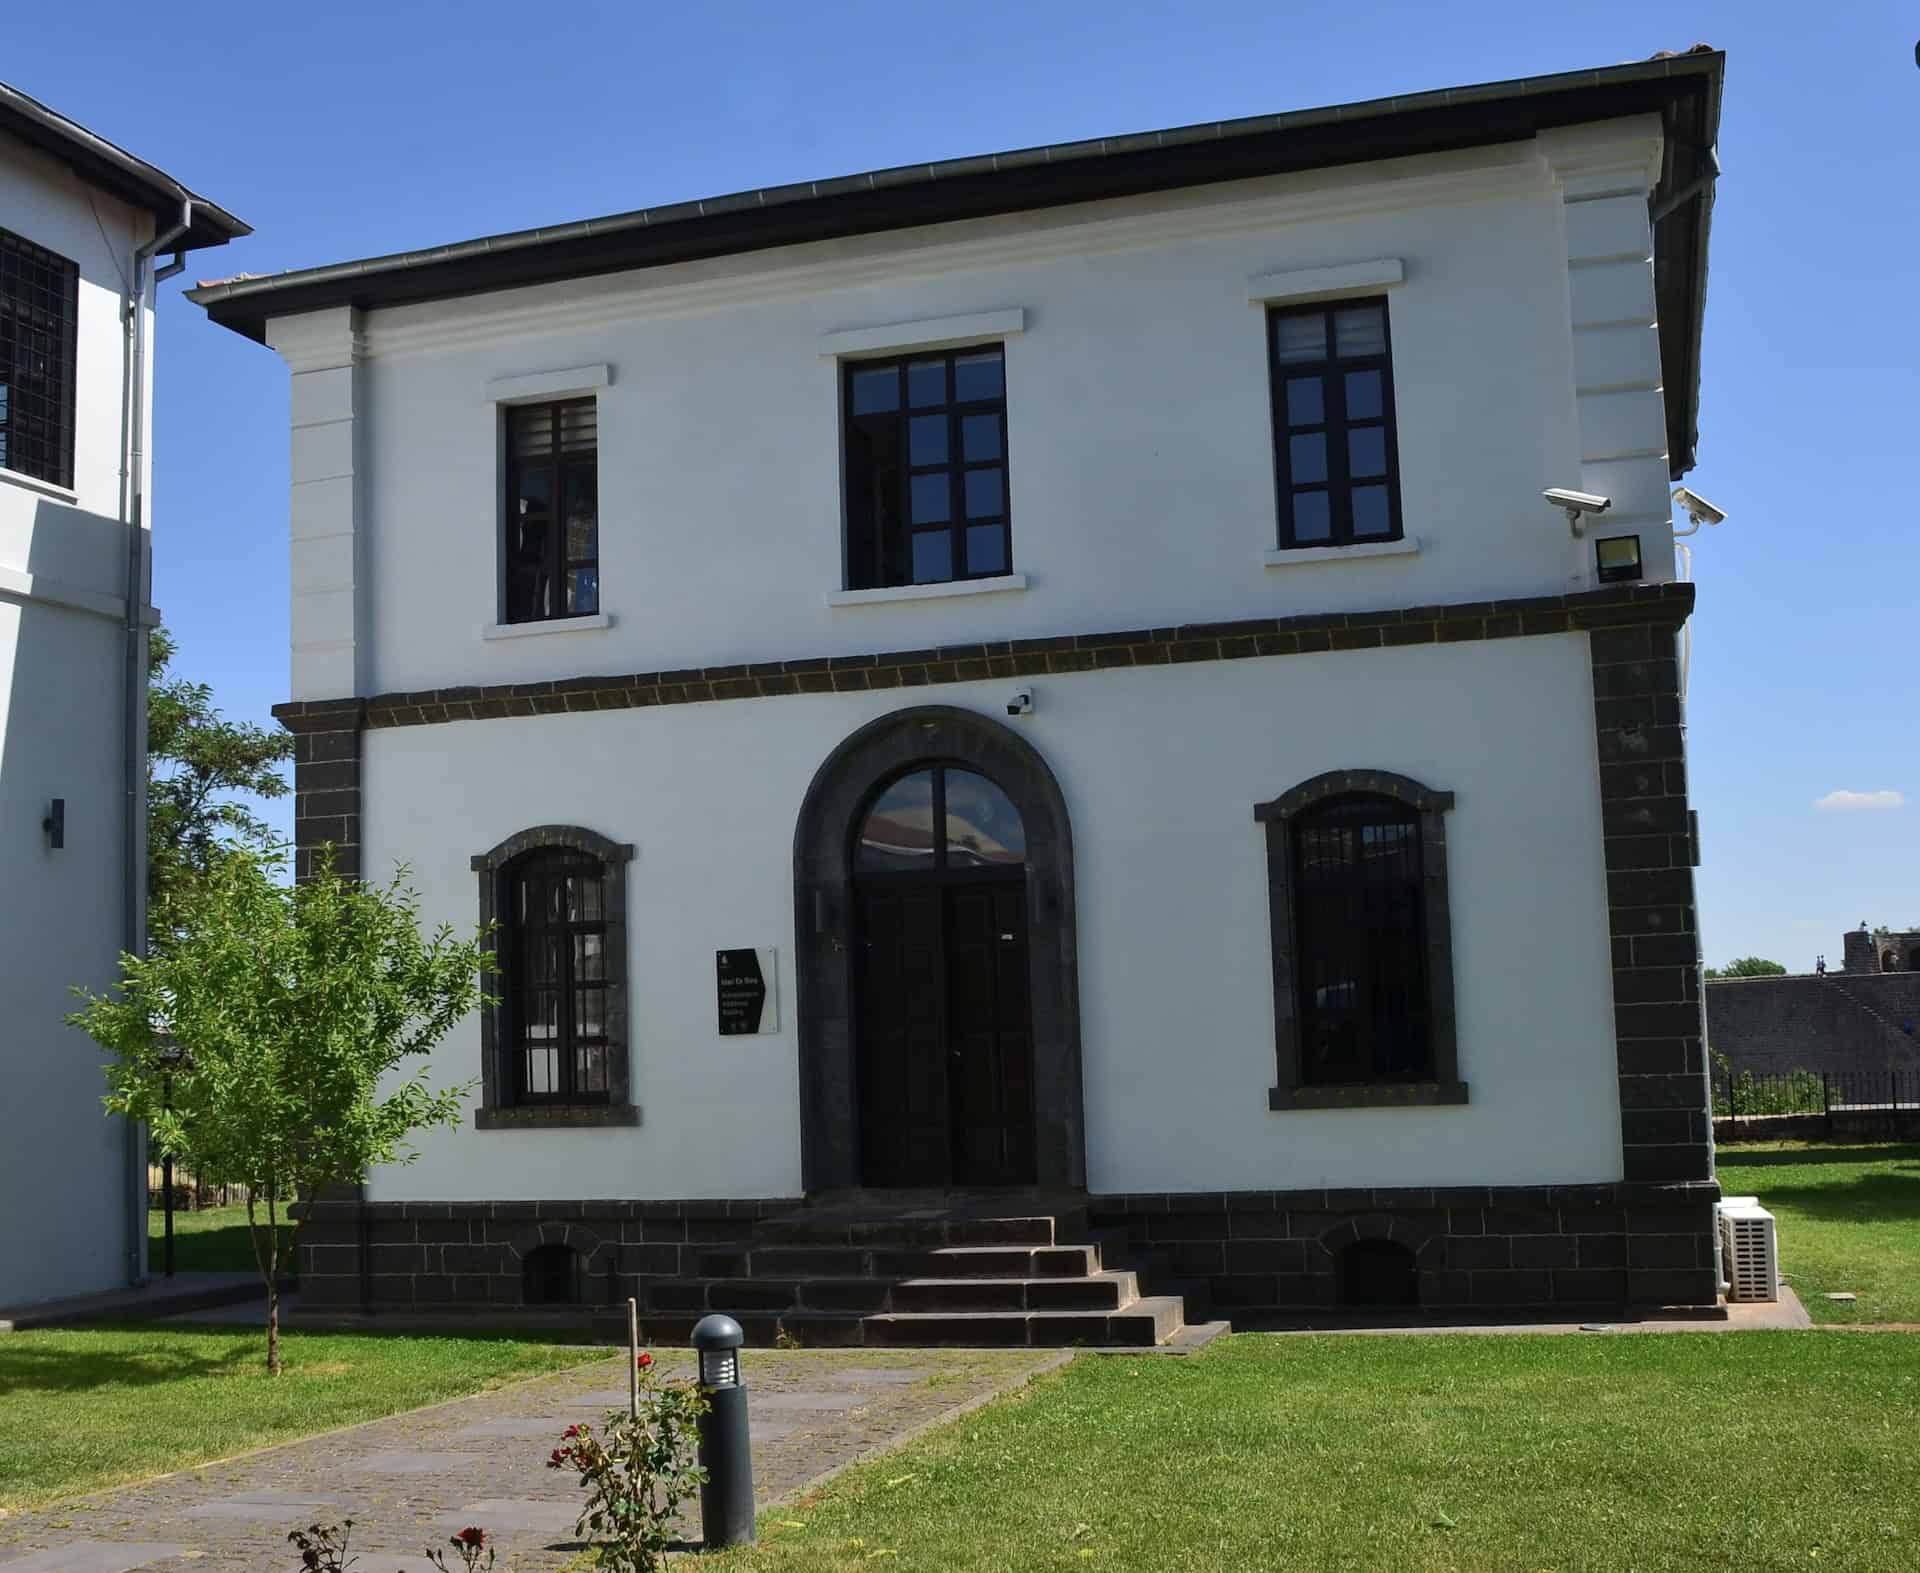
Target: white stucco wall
(1161,768)
(1140,446)
(62,580)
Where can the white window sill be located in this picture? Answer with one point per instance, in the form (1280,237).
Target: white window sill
(551,625)
(1300,556)
(927,592)
(33,483)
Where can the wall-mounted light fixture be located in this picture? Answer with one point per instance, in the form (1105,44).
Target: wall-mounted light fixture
(1617,558)
(55,824)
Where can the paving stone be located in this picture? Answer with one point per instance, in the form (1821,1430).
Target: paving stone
(506,1514)
(763,1401)
(404,1463)
(94,1556)
(269,1504)
(544,1425)
(812,1411)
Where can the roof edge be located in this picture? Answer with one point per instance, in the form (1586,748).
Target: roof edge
(112,168)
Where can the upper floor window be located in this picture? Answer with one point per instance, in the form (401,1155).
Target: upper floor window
(39,307)
(1333,424)
(926,455)
(553,511)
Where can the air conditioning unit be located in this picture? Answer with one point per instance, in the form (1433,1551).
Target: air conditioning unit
(1749,1250)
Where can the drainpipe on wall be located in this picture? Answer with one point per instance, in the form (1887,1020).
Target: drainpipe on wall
(134,714)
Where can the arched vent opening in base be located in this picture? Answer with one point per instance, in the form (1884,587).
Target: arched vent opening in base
(554,1275)
(1376,1273)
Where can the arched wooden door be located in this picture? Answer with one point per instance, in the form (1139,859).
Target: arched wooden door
(942,1015)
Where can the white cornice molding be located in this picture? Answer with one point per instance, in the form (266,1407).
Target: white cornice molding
(927,333)
(570,383)
(1081,230)
(1312,283)
(1606,158)
(319,340)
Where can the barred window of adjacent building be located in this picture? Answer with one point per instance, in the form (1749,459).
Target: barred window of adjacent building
(39,307)
(553,511)
(926,469)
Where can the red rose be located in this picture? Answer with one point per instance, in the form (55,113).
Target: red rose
(471,1537)
(570,1432)
(644,1361)
(557,1458)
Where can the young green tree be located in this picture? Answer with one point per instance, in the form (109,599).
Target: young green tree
(196,762)
(266,1044)
(1748,967)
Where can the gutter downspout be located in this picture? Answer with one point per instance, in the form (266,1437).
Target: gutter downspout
(140,302)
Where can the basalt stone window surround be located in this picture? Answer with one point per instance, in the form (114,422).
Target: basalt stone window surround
(1436,1081)
(501,1107)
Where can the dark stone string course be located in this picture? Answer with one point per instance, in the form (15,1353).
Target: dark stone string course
(1666,605)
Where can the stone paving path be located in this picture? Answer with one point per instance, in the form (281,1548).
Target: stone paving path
(410,1481)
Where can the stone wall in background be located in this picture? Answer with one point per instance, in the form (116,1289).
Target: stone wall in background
(1840,1022)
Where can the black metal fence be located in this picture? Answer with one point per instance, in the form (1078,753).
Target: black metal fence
(1748,1096)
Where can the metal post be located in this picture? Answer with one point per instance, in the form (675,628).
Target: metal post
(633,1359)
(1733,1108)
(166,1205)
(726,1500)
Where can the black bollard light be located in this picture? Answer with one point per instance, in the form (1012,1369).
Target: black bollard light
(726,1500)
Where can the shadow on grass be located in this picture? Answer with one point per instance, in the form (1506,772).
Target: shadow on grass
(1732,1156)
(30,1365)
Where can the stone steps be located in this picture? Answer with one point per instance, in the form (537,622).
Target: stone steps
(976,1274)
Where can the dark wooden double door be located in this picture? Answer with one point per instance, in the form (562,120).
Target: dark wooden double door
(945,1034)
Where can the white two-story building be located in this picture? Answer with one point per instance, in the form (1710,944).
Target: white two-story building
(1041,679)
(84,231)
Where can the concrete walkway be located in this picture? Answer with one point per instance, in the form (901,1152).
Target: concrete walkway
(410,1481)
(156,1297)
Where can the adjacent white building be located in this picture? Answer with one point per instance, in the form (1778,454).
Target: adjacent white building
(1047,671)
(84,229)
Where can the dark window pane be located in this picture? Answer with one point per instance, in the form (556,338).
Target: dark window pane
(590,957)
(1311,520)
(1367,452)
(583,592)
(898,830)
(926,383)
(979,376)
(590,1069)
(987,548)
(1360,330)
(1306,401)
(927,440)
(1372,517)
(1308,458)
(583,510)
(931,501)
(980,436)
(983,827)
(875,392)
(1363,395)
(589,1013)
(535,491)
(932,557)
(1300,338)
(986,494)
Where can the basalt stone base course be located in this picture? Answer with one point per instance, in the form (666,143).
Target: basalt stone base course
(1251,1252)
(1477,1247)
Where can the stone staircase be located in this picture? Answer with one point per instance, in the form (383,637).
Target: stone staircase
(910,1270)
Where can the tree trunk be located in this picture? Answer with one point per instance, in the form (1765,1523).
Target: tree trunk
(273,1289)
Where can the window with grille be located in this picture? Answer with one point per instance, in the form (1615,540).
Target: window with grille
(926,469)
(1363,1006)
(1335,454)
(553,511)
(1360,943)
(39,306)
(558,978)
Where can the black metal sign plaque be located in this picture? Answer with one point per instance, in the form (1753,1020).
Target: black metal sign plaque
(743,992)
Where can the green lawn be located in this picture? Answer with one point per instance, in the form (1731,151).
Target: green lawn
(1601,1453)
(88,1407)
(214,1241)
(1849,1219)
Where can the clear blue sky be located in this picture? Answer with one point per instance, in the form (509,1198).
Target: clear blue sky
(348,129)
